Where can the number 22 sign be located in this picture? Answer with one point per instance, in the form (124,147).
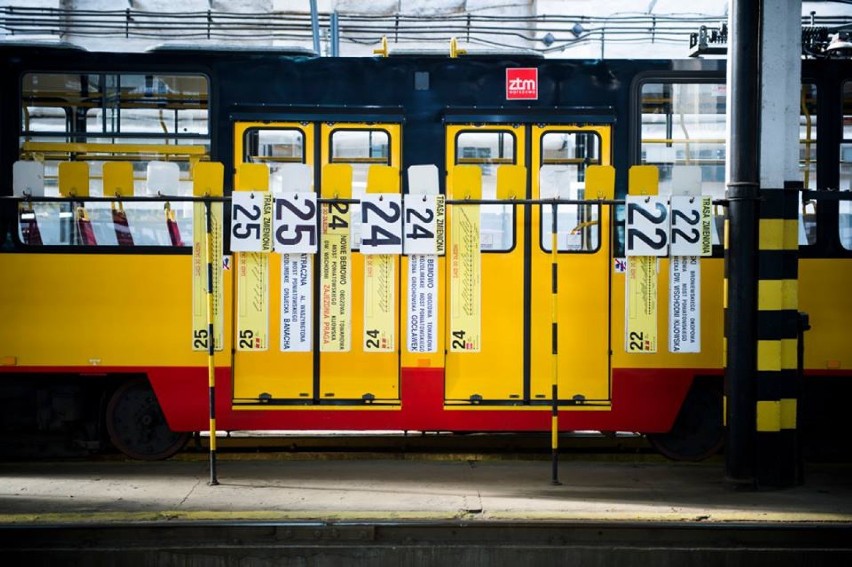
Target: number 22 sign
(647,226)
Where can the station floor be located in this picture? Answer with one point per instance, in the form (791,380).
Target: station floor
(407,487)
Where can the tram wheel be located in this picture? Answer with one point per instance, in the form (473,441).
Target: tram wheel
(697,432)
(137,426)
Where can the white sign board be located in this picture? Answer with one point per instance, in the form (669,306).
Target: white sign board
(295,223)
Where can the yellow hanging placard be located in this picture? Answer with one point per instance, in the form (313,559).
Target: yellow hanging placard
(641,277)
(252,301)
(207,180)
(465,263)
(335,261)
(641,316)
(252,287)
(379,271)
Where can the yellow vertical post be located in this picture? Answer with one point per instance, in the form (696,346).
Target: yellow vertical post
(208,178)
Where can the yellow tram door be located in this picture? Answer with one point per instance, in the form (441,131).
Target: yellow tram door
(561,159)
(484,335)
(364,366)
(267,366)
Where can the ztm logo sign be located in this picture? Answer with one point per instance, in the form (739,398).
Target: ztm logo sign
(522,84)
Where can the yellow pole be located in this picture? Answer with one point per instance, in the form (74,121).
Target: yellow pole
(211,339)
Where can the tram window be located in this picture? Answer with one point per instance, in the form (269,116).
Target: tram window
(166,107)
(144,224)
(360,149)
(488,149)
(845,207)
(274,146)
(684,124)
(564,157)
(807,162)
(95,117)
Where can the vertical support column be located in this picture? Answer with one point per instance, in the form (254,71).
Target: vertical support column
(777,454)
(741,240)
(761,260)
(777,340)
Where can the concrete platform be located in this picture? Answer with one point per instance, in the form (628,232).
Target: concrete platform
(408,488)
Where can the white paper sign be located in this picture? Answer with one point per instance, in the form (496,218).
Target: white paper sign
(295,223)
(381,223)
(251,221)
(424,224)
(422,303)
(691,223)
(647,226)
(296,302)
(685,304)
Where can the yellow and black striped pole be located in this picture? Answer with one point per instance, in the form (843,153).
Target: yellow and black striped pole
(554,322)
(776,444)
(211,366)
(207,180)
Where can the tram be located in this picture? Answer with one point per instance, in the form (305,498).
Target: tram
(102,307)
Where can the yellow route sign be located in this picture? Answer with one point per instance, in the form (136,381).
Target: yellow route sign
(207,181)
(380,269)
(465,264)
(336,262)
(641,316)
(641,277)
(252,301)
(379,303)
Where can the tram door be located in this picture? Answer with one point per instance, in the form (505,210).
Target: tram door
(362,374)
(284,371)
(560,155)
(512,362)
(492,368)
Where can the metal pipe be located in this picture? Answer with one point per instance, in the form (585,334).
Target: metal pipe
(335,35)
(315,26)
(741,250)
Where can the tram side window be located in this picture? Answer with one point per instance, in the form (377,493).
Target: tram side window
(845,207)
(684,124)
(99,118)
(488,150)
(564,158)
(807,162)
(274,147)
(360,149)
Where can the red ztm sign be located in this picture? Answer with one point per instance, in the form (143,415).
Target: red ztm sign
(522,84)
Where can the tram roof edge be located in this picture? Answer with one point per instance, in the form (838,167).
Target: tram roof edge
(233,48)
(443,53)
(18,44)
